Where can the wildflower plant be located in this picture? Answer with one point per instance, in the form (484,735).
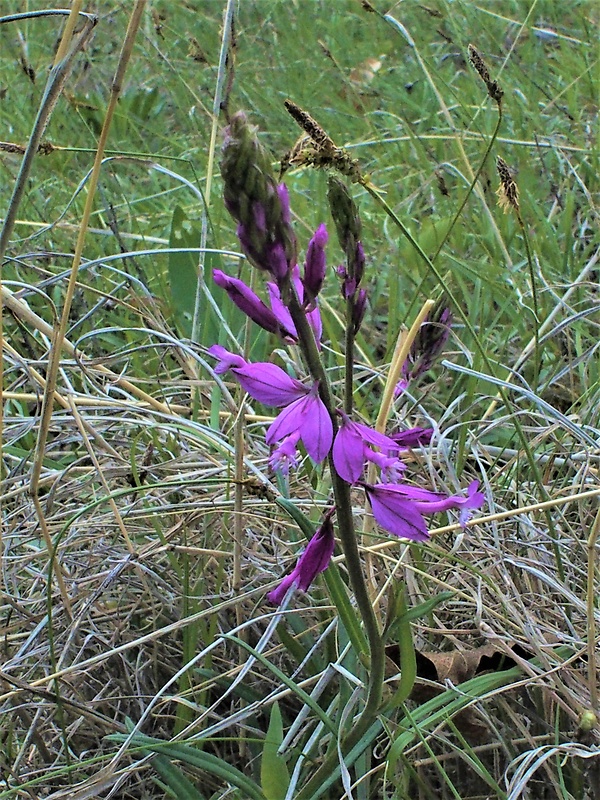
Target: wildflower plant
(312,416)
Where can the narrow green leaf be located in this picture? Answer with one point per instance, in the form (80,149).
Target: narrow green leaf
(183,270)
(408,657)
(175,780)
(445,705)
(274,776)
(196,758)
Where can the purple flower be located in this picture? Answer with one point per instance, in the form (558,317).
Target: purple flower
(248,302)
(283,458)
(351,449)
(314,559)
(399,508)
(413,437)
(304,413)
(282,313)
(314,267)
(265,382)
(309,418)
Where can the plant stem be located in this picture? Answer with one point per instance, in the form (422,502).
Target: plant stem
(346,530)
(349,355)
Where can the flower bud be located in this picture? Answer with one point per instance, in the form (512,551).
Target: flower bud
(315,266)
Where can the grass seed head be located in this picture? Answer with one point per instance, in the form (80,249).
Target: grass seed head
(493,87)
(508,191)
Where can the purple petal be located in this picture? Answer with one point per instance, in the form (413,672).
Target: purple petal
(358,310)
(317,431)
(277,595)
(348,454)
(247,301)
(373,437)
(276,260)
(283,458)
(473,500)
(314,560)
(315,266)
(265,382)
(396,513)
(284,199)
(260,216)
(280,310)
(315,322)
(226,359)
(413,437)
(310,418)
(390,467)
(269,384)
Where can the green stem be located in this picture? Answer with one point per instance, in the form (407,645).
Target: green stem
(472,185)
(347,534)
(536,314)
(349,373)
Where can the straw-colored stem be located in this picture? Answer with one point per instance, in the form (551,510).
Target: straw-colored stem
(56,80)
(401,351)
(59,332)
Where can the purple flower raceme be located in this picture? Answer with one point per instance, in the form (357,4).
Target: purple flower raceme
(304,413)
(257,202)
(314,559)
(399,508)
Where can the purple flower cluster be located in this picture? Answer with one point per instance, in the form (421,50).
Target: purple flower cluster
(397,507)
(261,208)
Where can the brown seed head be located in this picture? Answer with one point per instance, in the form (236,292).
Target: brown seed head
(493,87)
(508,191)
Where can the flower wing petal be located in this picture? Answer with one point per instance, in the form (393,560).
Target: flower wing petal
(394,512)
(317,429)
(348,454)
(288,421)
(269,384)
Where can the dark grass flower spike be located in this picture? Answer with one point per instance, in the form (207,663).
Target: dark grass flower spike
(493,87)
(508,191)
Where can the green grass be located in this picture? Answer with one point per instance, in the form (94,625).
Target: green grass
(165,556)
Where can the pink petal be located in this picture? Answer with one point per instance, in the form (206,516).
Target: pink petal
(314,560)
(309,416)
(280,310)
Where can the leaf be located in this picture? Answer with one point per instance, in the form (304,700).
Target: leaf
(274,776)
(174,778)
(195,758)
(183,270)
